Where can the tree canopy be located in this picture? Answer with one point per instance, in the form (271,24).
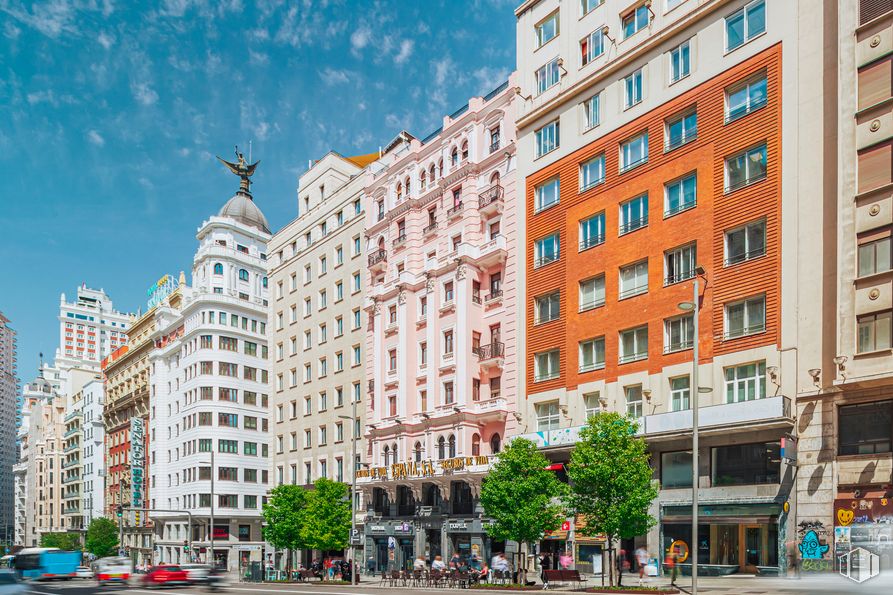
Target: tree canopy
(102,537)
(283,517)
(521,496)
(326,516)
(63,541)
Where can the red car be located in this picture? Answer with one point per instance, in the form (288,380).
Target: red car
(166,574)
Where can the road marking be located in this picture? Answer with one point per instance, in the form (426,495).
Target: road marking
(312,591)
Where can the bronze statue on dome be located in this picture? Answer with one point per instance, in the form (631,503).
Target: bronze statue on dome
(242,169)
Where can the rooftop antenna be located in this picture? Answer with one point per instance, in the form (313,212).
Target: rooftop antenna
(249,151)
(40,364)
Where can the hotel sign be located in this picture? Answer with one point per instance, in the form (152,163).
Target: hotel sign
(412,469)
(137,460)
(160,290)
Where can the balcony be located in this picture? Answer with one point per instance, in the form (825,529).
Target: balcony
(476,297)
(490,201)
(490,253)
(378,259)
(430,229)
(493,298)
(400,241)
(492,355)
(633,225)
(494,145)
(455,211)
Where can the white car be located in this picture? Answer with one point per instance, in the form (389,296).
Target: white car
(197,573)
(83,572)
(10,584)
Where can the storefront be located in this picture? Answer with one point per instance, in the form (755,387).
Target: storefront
(733,538)
(861,523)
(391,544)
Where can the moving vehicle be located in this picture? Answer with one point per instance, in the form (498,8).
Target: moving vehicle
(10,584)
(197,573)
(165,574)
(113,569)
(43,563)
(83,572)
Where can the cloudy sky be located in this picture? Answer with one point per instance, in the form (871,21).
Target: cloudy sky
(110,117)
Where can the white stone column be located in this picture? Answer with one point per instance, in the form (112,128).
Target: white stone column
(462,335)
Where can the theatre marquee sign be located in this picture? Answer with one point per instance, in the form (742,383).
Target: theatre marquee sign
(414,469)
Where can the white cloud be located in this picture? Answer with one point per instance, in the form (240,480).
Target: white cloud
(405,52)
(332,76)
(360,38)
(396,122)
(258,58)
(442,69)
(51,18)
(95,138)
(488,78)
(10,30)
(38,97)
(105,40)
(143,93)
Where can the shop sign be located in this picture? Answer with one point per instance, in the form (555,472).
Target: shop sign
(865,523)
(789,448)
(411,469)
(137,461)
(248,548)
(377,528)
(160,290)
(457,526)
(403,527)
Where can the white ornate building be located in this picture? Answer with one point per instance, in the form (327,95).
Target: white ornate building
(208,395)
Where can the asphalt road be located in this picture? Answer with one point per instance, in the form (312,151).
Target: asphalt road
(824,585)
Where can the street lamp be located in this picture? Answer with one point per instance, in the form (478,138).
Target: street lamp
(695,307)
(353,488)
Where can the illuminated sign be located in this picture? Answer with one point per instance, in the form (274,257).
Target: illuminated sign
(137,460)
(160,290)
(423,468)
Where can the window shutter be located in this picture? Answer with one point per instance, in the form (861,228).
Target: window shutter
(875,82)
(876,167)
(871,9)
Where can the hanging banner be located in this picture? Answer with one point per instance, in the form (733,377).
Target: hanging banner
(137,461)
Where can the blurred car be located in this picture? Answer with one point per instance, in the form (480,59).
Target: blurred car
(165,574)
(83,572)
(10,584)
(197,573)
(112,569)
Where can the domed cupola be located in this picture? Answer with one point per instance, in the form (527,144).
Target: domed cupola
(241,207)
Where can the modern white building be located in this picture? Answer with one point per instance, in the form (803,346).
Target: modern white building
(9,421)
(83,460)
(89,328)
(208,396)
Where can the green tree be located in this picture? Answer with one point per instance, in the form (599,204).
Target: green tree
(284,518)
(102,537)
(521,496)
(63,541)
(326,515)
(611,480)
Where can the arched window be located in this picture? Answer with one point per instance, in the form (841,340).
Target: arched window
(441,448)
(218,268)
(381,243)
(264,282)
(440,167)
(454,157)
(495,444)
(494,179)
(452,445)
(418,452)
(408,184)
(423,180)
(464,150)
(387,454)
(243,275)
(432,173)
(476,445)
(399,191)
(394,453)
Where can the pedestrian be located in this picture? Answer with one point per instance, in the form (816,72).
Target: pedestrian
(642,561)
(622,564)
(566,560)
(545,565)
(438,564)
(455,562)
(419,563)
(671,563)
(370,566)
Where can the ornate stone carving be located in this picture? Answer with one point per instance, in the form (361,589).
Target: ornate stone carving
(461,271)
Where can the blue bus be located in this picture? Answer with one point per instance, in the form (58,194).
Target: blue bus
(40,563)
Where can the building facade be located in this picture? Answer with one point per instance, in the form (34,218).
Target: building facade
(10,421)
(318,326)
(441,340)
(845,480)
(209,398)
(663,147)
(89,328)
(83,460)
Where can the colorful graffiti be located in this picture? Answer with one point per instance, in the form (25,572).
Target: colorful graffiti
(811,548)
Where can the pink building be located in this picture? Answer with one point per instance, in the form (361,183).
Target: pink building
(441,342)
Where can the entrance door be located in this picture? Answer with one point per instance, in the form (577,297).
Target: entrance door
(754,548)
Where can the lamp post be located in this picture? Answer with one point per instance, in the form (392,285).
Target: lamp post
(213,559)
(695,307)
(353,489)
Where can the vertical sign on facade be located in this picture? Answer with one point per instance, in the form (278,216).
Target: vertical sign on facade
(137,459)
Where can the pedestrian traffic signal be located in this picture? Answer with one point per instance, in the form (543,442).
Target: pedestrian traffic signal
(119,511)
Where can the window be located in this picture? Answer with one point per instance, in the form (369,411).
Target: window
(423,354)
(243,275)
(680,392)
(745,98)
(448,294)
(547,76)
(633,395)
(590,5)
(546,365)
(546,195)
(592,293)
(355,283)
(447,342)
(635,20)
(592,354)
(746,168)
(745,242)
(591,113)
(874,253)
(679,333)
(873,332)
(392,360)
(865,428)
(679,264)
(548,416)
(633,344)
(633,279)
(547,138)
(745,382)
(546,307)
(228,446)
(547,29)
(392,314)
(592,231)
(339,256)
(746,464)
(448,394)
(680,61)
(592,172)
(675,470)
(592,46)
(546,250)
(218,268)
(633,152)
(746,317)
(745,24)
(632,89)
(356,319)
(681,129)
(591,404)
(339,291)
(228,344)
(680,194)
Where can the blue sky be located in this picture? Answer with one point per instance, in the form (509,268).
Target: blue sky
(110,116)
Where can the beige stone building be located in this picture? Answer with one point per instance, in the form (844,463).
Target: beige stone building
(318,325)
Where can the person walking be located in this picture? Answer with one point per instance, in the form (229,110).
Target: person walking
(545,564)
(419,563)
(370,566)
(642,561)
(438,564)
(671,563)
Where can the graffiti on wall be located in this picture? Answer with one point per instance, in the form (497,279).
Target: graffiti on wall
(813,546)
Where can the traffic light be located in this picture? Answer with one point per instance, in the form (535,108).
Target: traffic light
(136,518)
(119,511)
(185,545)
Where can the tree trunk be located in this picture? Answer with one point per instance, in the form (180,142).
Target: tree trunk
(611,562)
(288,566)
